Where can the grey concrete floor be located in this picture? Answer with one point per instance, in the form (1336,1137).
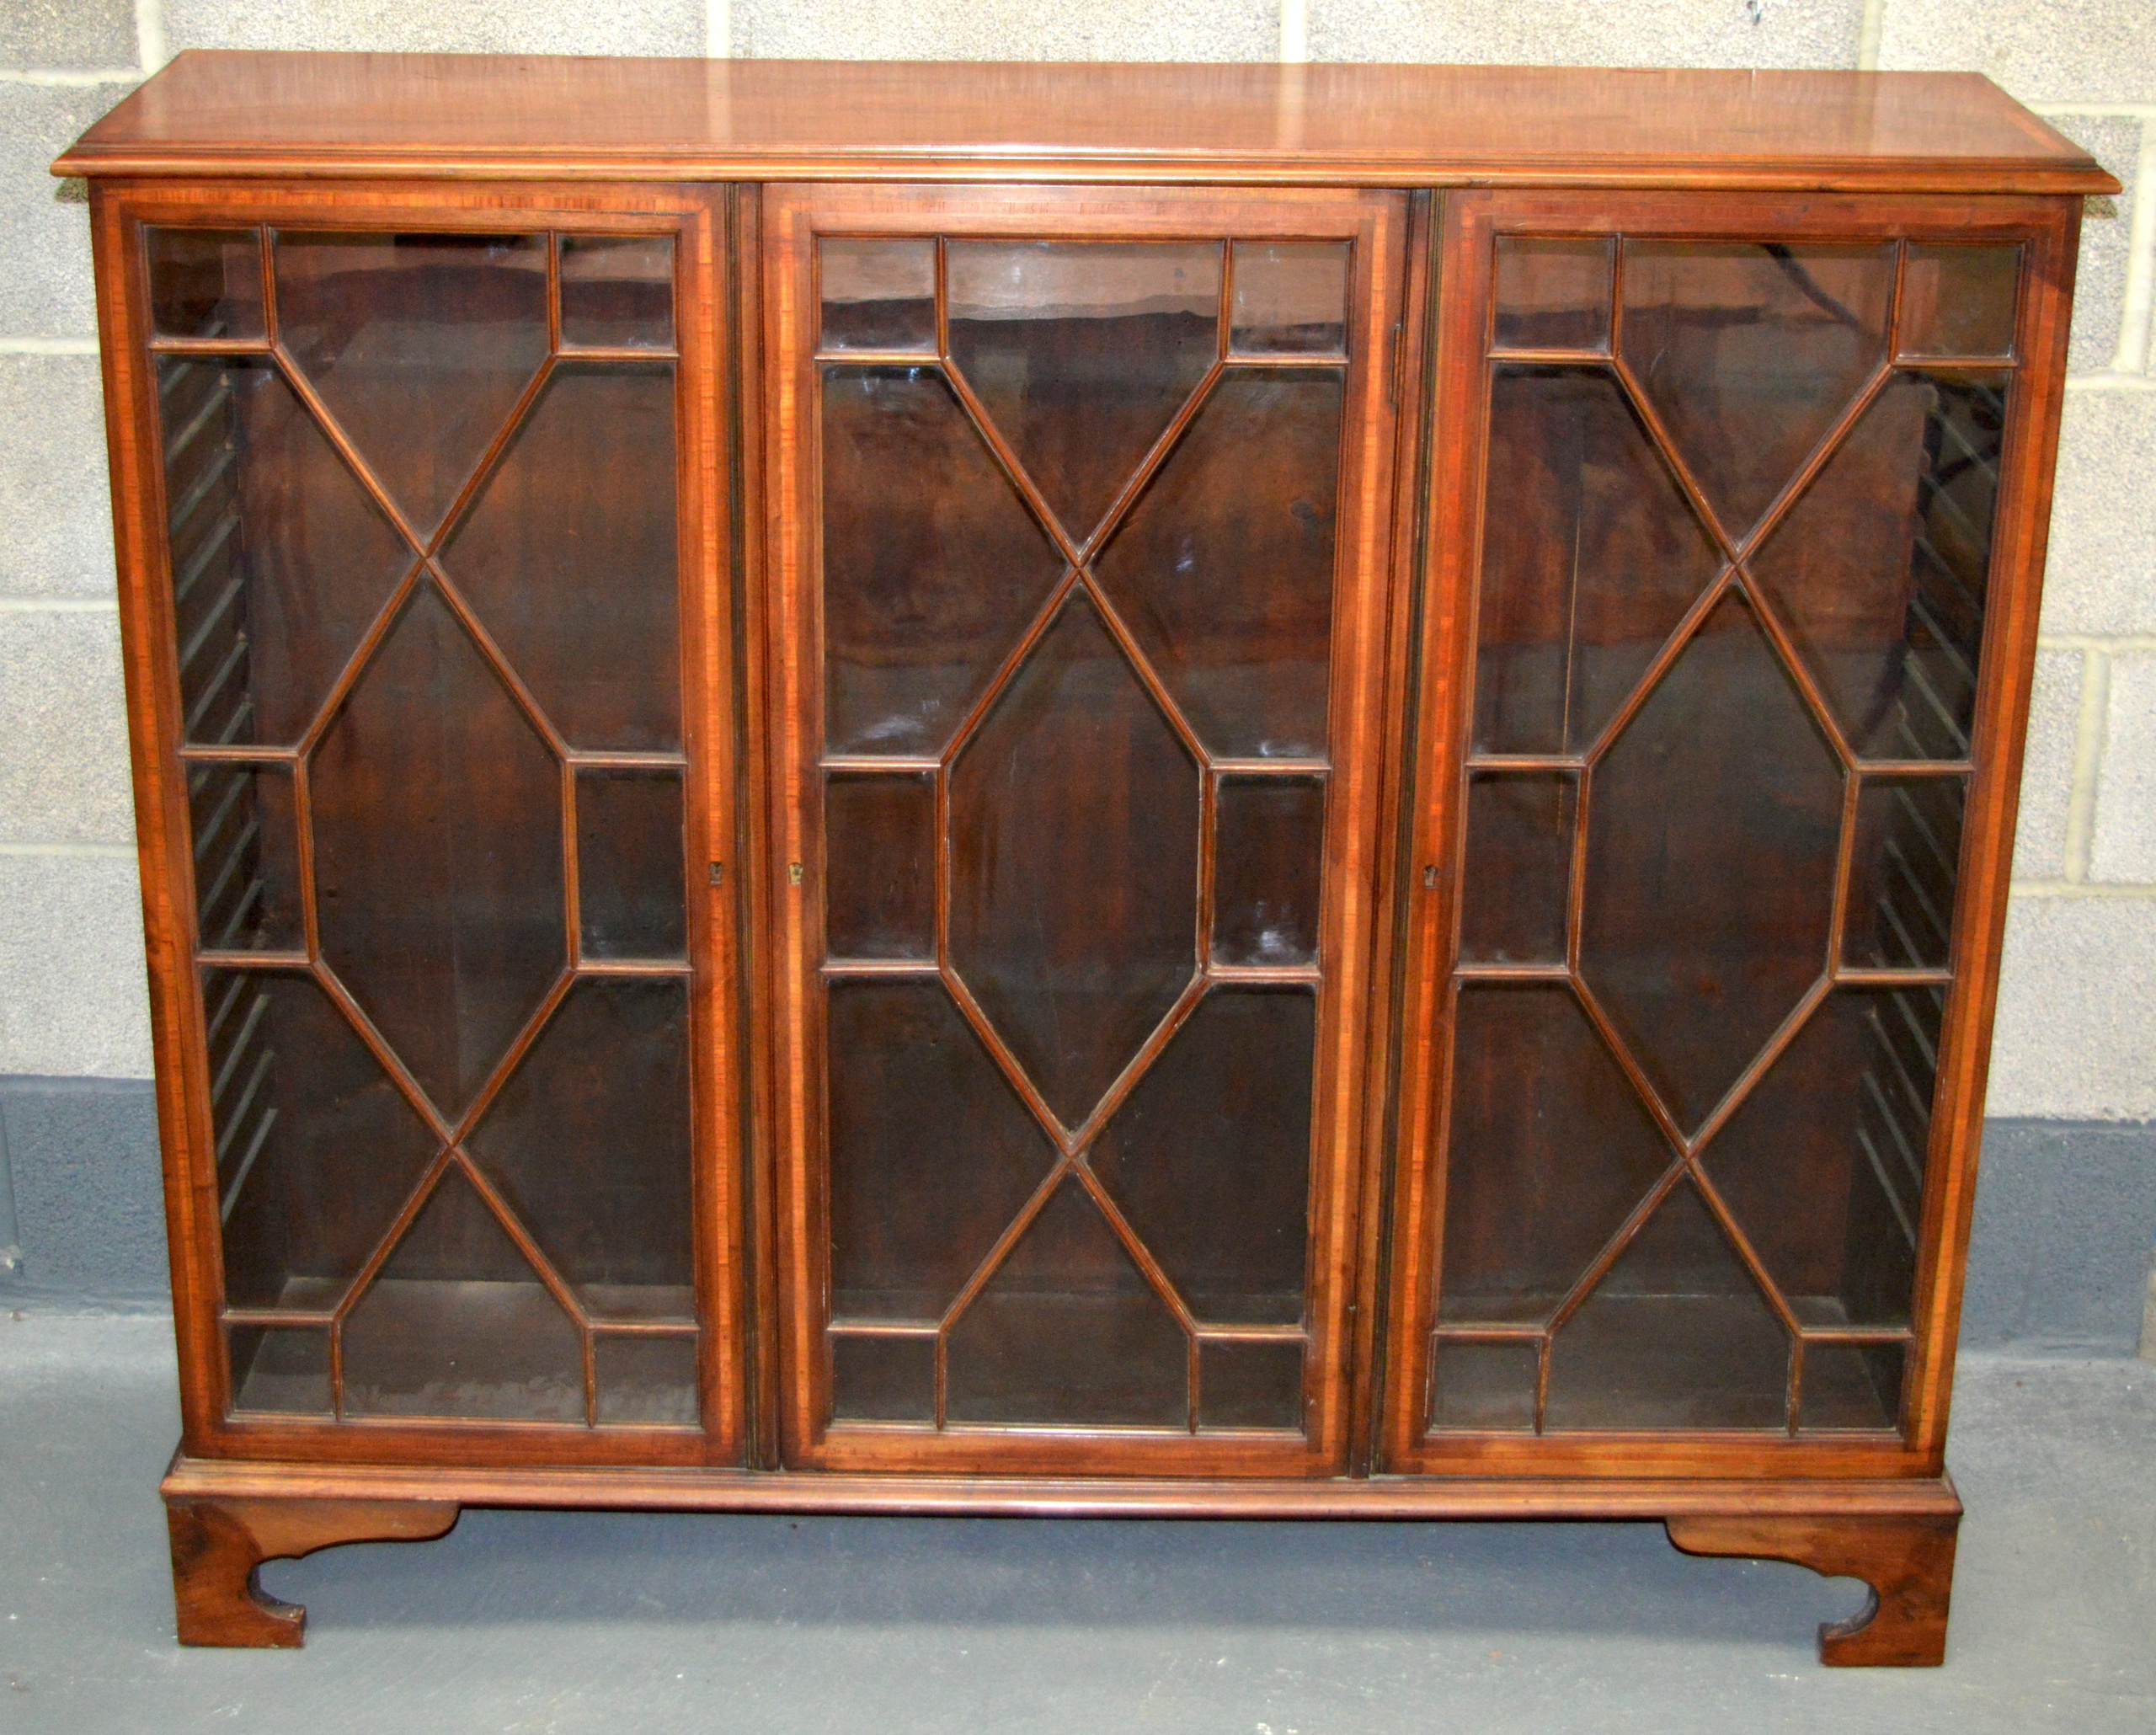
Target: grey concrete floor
(534,1621)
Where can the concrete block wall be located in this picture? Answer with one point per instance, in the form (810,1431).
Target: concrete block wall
(2075,1075)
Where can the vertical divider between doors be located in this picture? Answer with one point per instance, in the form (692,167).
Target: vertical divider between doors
(1393,894)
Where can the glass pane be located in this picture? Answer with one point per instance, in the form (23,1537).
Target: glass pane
(1267,854)
(458,1325)
(1224,570)
(650,1382)
(569,558)
(1851,1385)
(933,566)
(932,1155)
(1958,300)
(882,1377)
(279,559)
(1675,1337)
(1550,1153)
(1590,558)
(1712,829)
(1247,1385)
(1290,298)
(1483,1386)
(1823,1167)
(1518,879)
(317,1151)
(279,1373)
(438,854)
(1067,1331)
(1082,352)
(877,294)
(1750,351)
(1553,293)
(1881,567)
(205,283)
(588,1143)
(1209,1160)
(879,867)
(1074,864)
(247,866)
(630,891)
(1901,872)
(617,292)
(420,344)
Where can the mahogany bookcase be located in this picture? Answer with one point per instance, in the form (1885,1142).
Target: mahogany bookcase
(1231,790)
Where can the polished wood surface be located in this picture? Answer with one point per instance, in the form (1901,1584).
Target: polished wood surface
(219,1543)
(475,115)
(276,149)
(1908,1562)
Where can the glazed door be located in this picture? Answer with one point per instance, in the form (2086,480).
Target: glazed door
(422,570)
(1714,811)
(1078,594)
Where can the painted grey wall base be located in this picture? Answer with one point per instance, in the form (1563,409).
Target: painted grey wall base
(2058,1261)
(82,1163)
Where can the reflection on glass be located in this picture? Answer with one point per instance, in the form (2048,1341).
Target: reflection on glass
(279,559)
(1553,292)
(1208,1159)
(1550,1154)
(587,1141)
(1882,568)
(879,852)
(440,905)
(647,1381)
(1750,351)
(1712,829)
(1590,558)
(931,1153)
(1224,570)
(569,558)
(1243,1383)
(245,854)
(1676,1336)
(1958,300)
(1902,869)
(1517,880)
(458,1325)
(279,1373)
(420,344)
(1082,352)
(1483,1385)
(1290,298)
(1068,1331)
(882,1377)
(1074,864)
(932,565)
(315,1149)
(1851,1385)
(877,294)
(630,896)
(205,283)
(1267,870)
(1823,1166)
(617,292)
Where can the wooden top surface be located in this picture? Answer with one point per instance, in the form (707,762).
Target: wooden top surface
(490,115)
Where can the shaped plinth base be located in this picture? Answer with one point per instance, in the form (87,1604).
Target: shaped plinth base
(218,1546)
(1908,1561)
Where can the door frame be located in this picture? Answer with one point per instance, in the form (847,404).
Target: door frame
(2047,229)
(784,747)
(695,216)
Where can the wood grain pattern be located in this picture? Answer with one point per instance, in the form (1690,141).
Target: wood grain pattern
(477,115)
(1908,1561)
(219,1545)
